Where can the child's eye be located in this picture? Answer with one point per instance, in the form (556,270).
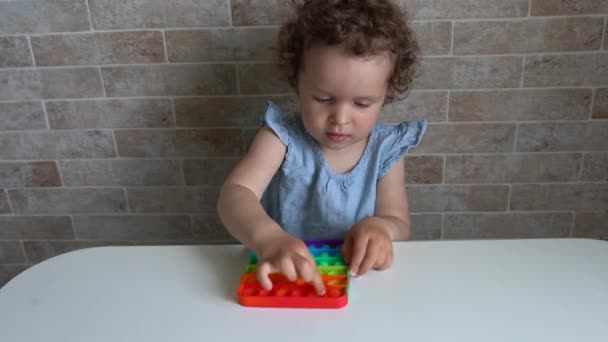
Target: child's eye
(362,105)
(323,100)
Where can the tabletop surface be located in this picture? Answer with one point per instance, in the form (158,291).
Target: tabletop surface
(484,290)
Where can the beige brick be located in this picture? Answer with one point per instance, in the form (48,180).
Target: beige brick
(262,78)
(29,174)
(520,105)
(465,9)
(121,172)
(528,36)
(260,12)
(22,116)
(558,136)
(208,172)
(220,45)
(36,227)
(560,7)
(469,72)
(428,105)
(566,70)
(512,168)
(507,226)
(15,52)
(11,252)
(50,83)
(40,16)
(99,48)
(109,14)
(173,200)
(423,169)
(4,204)
(595,166)
(227,111)
(600,104)
(185,143)
(38,251)
(467,138)
(111,113)
(133,228)
(209,228)
(437,198)
(592,225)
(162,80)
(434,37)
(68,201)
(425,227)
(582,196)
(51,145)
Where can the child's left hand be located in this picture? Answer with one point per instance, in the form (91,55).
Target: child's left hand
(368,245)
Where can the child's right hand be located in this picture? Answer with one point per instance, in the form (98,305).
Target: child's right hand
(290,256)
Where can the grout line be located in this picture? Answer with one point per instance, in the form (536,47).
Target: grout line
(126,193)
(73,227)
(29,43)
(445,161)
(509,197)
(604,33)
(530,8)
(8,199)
(103,83)
(115,144)
(447,115)
(523,72)
(452,38)
(580,171)
(46,115)
(514,150)
(26,257)
(573,223)
(89,13)
(593,98)
(441,233)
(165,46)
(238,79)
(57,165)
(173,113)
(271,62)
(244,141)
(230,21)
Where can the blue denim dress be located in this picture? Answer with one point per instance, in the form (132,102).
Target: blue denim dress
(307,199)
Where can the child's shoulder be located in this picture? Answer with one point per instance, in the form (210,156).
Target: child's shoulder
(286,125)
(394,141)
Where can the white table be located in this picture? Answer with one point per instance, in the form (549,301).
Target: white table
(510,290)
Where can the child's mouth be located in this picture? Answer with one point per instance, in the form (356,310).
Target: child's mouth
(337,137)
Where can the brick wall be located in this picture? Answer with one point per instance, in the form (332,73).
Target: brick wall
(119,119)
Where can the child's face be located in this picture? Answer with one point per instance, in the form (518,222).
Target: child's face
(341,95)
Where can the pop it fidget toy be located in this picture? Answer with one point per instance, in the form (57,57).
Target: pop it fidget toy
(298,294)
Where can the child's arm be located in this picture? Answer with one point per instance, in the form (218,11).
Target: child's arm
(244,217)
(369,243)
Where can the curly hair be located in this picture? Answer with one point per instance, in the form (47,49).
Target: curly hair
(364,27)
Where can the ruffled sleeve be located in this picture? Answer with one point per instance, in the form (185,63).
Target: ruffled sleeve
(397,140)
(279,123)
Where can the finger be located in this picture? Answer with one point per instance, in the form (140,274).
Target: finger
(317,282)
(359,251)
(371,256)
(305,269)
(347,248)
(388,262)
(380,261)
(288,269)
(263,274)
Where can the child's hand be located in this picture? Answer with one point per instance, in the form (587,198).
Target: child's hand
(291,257)
(368,245)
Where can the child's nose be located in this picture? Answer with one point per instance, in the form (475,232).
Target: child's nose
(340,115)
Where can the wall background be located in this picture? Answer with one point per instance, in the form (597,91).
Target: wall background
(120,119)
